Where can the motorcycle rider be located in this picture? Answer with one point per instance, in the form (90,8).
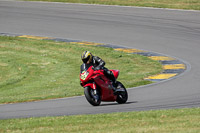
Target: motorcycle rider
(98,63)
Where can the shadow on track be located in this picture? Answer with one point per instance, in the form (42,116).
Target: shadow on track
(118,103)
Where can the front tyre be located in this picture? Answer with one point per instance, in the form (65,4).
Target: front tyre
(122,96)
(92,97)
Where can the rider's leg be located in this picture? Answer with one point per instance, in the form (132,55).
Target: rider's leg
(111,76)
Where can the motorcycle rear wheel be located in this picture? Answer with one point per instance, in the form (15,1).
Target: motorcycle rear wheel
(122,97)
(92,98)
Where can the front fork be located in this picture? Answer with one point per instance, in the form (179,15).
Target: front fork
(92,85)
(93,92)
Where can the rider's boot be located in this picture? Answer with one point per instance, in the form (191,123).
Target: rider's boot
(114,84)
(116,90)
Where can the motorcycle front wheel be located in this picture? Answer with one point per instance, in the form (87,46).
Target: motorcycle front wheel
(92,97)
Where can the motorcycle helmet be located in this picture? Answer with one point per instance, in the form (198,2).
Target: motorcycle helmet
(86,56)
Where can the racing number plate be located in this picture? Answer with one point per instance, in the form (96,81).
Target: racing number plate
(84,75)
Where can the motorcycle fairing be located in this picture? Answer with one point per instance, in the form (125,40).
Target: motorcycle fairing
(91,85)
(107,90)
(115,73)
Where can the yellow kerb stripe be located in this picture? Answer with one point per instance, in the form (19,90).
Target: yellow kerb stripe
(129,50)
(174,66)
(161,58)
(89,43)
(161,76)
(73,42)
(34,37)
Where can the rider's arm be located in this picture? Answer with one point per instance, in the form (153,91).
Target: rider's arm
(99,61)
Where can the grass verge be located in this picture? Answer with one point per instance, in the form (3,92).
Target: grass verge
(174,4)
(40,69)
(172,121)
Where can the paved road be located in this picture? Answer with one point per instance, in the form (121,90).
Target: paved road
(171,32)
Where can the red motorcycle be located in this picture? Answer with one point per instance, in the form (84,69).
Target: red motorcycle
(97,87)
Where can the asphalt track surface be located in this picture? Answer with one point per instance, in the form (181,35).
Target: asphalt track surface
(171,32)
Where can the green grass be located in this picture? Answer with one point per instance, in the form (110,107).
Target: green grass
(40,69)
(175,4)
(161,121)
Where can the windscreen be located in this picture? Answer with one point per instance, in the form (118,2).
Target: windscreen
(84,67)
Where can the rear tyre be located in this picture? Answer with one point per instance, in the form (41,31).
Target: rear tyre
(92,98)
(122,96)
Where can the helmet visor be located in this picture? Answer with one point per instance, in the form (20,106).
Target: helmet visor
(86,59)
